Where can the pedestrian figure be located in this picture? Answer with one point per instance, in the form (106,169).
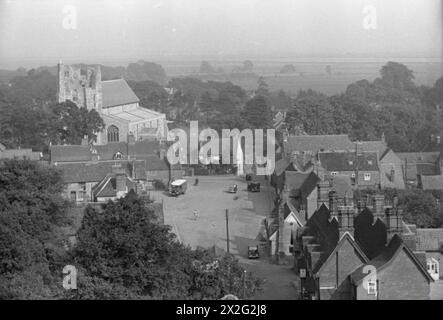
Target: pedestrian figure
(195,214)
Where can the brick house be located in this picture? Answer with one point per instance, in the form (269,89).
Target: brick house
(430,241)
(341,241)
(417,164)
(85,166)
(390,164)
(298,195)
(361,168)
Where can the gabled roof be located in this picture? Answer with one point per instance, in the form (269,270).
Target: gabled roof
(348,161)
(117,92)
(432,182)
(107,187)
(316,143)
(386,257)
(429,239)
(281,166)
(301,184)
(372,146)
(346,237)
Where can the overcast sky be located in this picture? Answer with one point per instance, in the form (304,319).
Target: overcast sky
(39,30)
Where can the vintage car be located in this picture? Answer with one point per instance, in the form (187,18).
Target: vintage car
(178,187)
(253,252)
(254,186)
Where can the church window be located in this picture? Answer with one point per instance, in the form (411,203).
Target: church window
(113,134)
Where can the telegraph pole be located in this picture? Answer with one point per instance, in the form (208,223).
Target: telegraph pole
(227,231)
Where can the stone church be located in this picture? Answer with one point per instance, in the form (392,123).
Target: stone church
(114,100)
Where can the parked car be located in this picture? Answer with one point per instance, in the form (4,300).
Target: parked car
(253,252)
(178,187)
(254,186)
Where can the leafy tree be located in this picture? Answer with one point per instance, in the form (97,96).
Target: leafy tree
(122,253)
(257,113)
(262,88)
(146,71)
(206,105)
(69,123)
(31,212)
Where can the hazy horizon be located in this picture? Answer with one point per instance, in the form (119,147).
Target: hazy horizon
(34,33)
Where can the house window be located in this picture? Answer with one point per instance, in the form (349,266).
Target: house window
(351,162)
(73,196)
(372,287)
(370,162)
(353,178)
(367,176)
(113,134)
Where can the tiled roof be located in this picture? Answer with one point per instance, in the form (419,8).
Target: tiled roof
(20,154)
(374,146)
(429,239)
(116,93)
(95,172)
(346,161)
(432,182)
(280,166)
(72,153)
(418,157)
(316,143)
(386,257)
(301,183)
(108,188)
(341,184)
(419,163)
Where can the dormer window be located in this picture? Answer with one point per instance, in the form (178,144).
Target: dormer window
(118,155)
(94,151)
(334,173)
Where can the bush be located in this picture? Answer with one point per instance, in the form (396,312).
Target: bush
(159,185)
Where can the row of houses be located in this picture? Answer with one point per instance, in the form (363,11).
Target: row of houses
(334,239)
(96,173)
(367,164)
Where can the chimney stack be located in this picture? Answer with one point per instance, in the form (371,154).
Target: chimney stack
(120,178)
(323,193)
(346,220)
(394,223)
(378,207)
(333,206)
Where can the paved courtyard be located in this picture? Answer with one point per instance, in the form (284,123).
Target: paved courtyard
(246,211)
